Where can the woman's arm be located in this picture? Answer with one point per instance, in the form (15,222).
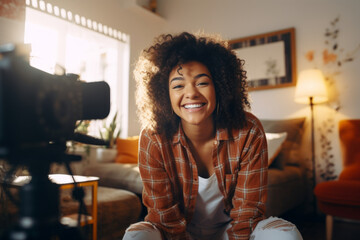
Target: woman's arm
(251,187)
(163,209)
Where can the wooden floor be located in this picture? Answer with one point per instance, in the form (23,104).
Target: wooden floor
(313,228)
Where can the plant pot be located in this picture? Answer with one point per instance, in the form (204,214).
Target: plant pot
(106,155)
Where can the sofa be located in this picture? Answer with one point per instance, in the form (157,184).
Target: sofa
(287,183)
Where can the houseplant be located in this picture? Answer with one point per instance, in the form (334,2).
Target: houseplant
(109,132)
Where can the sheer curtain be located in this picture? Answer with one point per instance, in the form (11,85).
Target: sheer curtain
(62,42)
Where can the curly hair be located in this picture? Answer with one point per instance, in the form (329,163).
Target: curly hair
(152,72)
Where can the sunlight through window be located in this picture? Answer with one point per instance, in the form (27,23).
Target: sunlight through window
(61,43)
(44,42)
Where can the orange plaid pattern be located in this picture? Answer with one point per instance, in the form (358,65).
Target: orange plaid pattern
(169,174)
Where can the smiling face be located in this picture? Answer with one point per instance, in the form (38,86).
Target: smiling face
(192,93)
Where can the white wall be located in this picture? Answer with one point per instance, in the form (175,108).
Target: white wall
(241,18)
(12,31)
(12,22)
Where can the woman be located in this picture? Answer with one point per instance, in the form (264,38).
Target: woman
(202,156)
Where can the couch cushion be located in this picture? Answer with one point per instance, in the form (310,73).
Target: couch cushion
(351,172)
(117,175)
(349,131)
(291,147)
(289,174)
(127,150)
(339,192)
(274,142)
(286,190)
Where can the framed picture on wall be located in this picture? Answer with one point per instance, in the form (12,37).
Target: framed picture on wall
(269,59)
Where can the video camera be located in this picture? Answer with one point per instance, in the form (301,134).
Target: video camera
(38,114)
(37,107)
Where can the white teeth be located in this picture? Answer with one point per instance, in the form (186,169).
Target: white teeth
(192,106)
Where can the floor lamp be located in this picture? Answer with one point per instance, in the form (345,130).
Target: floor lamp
(311,89)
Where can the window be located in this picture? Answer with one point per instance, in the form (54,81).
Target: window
(62,42)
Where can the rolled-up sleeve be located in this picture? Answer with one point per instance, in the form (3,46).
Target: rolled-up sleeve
(158,197)
(251,186)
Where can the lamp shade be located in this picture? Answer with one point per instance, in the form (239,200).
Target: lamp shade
(311,83)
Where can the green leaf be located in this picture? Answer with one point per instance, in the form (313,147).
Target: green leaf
(112,131)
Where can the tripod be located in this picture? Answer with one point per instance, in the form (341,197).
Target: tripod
(39,203)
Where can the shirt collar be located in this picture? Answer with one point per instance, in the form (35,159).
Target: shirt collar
(179,136)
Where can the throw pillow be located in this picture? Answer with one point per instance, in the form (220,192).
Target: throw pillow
(275,142)
(294,129)
(127,150)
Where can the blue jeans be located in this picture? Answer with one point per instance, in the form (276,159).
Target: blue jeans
(272,228)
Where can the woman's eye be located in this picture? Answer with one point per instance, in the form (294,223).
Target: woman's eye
(177,86)
(203,84)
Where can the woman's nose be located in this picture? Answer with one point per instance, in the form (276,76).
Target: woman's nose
(191,91)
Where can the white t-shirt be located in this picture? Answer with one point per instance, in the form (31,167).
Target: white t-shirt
(209,220)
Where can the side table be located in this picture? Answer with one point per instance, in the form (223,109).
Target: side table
(66,181)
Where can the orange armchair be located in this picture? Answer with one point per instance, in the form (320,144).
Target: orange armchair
(341,198)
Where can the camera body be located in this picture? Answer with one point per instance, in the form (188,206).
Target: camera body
(37,107)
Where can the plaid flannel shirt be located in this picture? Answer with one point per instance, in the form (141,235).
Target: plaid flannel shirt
(169,174)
